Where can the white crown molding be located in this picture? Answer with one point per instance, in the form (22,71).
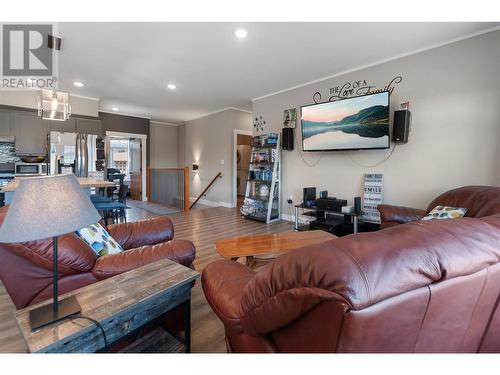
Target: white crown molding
(165,123)
(414,52)
(219,111)
(84,97)
(124,114)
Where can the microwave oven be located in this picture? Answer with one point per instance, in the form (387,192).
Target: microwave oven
(30,169)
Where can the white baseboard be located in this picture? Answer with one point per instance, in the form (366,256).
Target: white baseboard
(287,217)
(209,203)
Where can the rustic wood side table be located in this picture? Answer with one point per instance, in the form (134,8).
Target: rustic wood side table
(121,305)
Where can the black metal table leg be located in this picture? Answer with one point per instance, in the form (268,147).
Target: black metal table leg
(187,325)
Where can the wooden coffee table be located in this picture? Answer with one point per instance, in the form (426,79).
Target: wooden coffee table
(268,245)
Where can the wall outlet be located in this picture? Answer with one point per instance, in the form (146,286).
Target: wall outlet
(289,200)
(222,162)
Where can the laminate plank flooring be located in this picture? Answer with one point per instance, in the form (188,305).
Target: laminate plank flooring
(203,227)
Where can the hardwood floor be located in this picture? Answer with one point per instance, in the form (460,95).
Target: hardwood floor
(203,227)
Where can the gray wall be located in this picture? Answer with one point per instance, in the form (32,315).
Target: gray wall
(454,92)
(164,145)
(209,140)
(127,124)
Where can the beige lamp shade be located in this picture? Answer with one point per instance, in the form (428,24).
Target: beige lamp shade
(45,207)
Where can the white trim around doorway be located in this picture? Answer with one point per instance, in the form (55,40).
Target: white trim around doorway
(235,161)
(143,138)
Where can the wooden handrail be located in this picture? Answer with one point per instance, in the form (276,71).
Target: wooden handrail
(219,175)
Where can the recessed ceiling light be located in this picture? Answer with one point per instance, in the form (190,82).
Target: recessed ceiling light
(78,84)
(116,109)
(171,86)
(240,33)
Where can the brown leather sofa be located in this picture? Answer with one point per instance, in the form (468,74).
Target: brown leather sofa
(479,201)
(26,268)
(426,286)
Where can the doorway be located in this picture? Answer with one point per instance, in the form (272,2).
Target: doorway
(127,156)
(241,164)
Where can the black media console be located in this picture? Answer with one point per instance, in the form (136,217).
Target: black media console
(332,221)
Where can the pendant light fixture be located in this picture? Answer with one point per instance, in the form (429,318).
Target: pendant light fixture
(54,105)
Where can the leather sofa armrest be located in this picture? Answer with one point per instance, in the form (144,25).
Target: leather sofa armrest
(223,283)
(140,233)
(399,214)
(180,251)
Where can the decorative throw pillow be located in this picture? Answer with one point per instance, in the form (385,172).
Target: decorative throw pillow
(99,240)
(445,212)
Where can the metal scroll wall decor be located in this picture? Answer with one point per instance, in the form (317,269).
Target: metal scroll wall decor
(356,88)
(259,123)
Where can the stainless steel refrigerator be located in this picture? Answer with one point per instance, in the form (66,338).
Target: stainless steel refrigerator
(77,153)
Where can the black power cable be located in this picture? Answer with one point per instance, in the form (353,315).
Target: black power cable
(99,325)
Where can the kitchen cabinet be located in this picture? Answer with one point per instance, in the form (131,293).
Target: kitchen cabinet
(88,126)
(30,133)
(68,126)
(5,127)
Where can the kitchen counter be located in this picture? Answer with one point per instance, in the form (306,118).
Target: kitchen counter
(85,182)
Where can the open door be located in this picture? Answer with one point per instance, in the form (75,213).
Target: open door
(135,152)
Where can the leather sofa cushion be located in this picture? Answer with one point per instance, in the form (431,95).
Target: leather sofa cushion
(480,201)
(145,232)
(180,251)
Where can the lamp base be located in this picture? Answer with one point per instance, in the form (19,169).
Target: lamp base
(45,315)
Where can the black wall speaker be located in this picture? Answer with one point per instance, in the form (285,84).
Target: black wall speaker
(401,126)
(287,139)
(357,204)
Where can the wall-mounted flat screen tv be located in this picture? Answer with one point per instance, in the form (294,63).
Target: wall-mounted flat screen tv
(355,123)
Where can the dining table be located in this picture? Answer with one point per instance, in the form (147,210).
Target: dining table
(87,183)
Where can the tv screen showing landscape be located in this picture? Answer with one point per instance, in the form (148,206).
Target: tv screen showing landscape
(355,123)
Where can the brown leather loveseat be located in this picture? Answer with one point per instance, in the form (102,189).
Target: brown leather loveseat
(26,268)
(426,286)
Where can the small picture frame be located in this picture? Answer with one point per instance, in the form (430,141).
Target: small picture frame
(290,118)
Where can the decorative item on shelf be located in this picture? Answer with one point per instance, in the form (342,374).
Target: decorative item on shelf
(264,190)
(271,139)
(54,105)
(66,208)
(195,167)
(290,118)
(259,123)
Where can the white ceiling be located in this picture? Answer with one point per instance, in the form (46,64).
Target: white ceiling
(128,65)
